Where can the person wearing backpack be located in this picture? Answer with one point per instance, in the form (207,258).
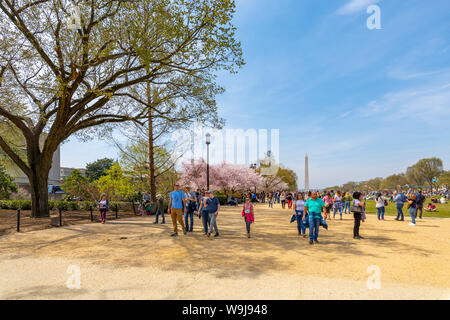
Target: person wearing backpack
(399,199)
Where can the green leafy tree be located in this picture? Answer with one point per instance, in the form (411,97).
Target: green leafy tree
(58,80)
(370,185)
(429,169)
(7,185)
(115,184)
(413,177)
(350,186)
(135,163)
(444,179)
(170,106)
(333,188)
(288,176)
(395,181)
(80,187)
(98,168)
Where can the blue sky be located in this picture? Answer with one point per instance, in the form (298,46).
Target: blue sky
(362,103)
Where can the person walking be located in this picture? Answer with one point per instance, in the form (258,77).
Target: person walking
(159,209)
(191,207)
(313,208)
(248,214)
(203,212)
(380,204)
(176,199)
(103,206)
(289,198)
(328,200)
(420,200)
(412,207)
(399,199)
(213,207)
(283,200)
(299,209)
(358,214)
(271,199)
(338,204)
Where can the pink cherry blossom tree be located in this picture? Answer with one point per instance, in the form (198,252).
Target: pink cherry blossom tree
(193,174)
(226,177)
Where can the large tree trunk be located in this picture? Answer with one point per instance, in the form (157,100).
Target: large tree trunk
(39,195)
(151,156)
(40,165)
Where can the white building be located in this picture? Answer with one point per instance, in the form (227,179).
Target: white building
(65,172)
(22,180)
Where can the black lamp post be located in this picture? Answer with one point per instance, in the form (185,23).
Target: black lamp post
(253,166)
(208,142)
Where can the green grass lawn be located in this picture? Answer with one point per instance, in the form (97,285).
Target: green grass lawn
(443,210)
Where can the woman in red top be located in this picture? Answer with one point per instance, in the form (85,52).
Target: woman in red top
(247,213)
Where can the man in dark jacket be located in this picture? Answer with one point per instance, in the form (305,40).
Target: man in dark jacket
(420,200)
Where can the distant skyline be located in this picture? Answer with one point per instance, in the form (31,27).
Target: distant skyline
(362,103)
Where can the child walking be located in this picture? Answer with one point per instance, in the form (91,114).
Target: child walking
(102,205)
(248,214)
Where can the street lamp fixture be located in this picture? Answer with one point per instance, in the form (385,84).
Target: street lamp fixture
(208,142)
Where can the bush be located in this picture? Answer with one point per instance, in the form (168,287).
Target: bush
(65,205)
(222,199)
(15,204)
(85,205)
(52,204)
(3,204)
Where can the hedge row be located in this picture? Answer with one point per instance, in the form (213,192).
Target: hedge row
(80,205)
(64,205)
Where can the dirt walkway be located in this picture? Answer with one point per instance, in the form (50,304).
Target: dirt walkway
(135,259)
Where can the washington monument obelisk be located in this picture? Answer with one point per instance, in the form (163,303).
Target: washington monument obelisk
(306,173)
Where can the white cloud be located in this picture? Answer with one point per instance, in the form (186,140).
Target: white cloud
(429,104)
(354,6)
(408,73)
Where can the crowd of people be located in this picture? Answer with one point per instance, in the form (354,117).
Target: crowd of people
(311,210)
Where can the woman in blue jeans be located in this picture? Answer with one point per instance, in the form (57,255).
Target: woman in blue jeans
(380,205)
(347,201)
(338,204)
(299,208)
(412,206)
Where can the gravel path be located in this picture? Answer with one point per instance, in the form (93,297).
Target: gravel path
(135,259)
